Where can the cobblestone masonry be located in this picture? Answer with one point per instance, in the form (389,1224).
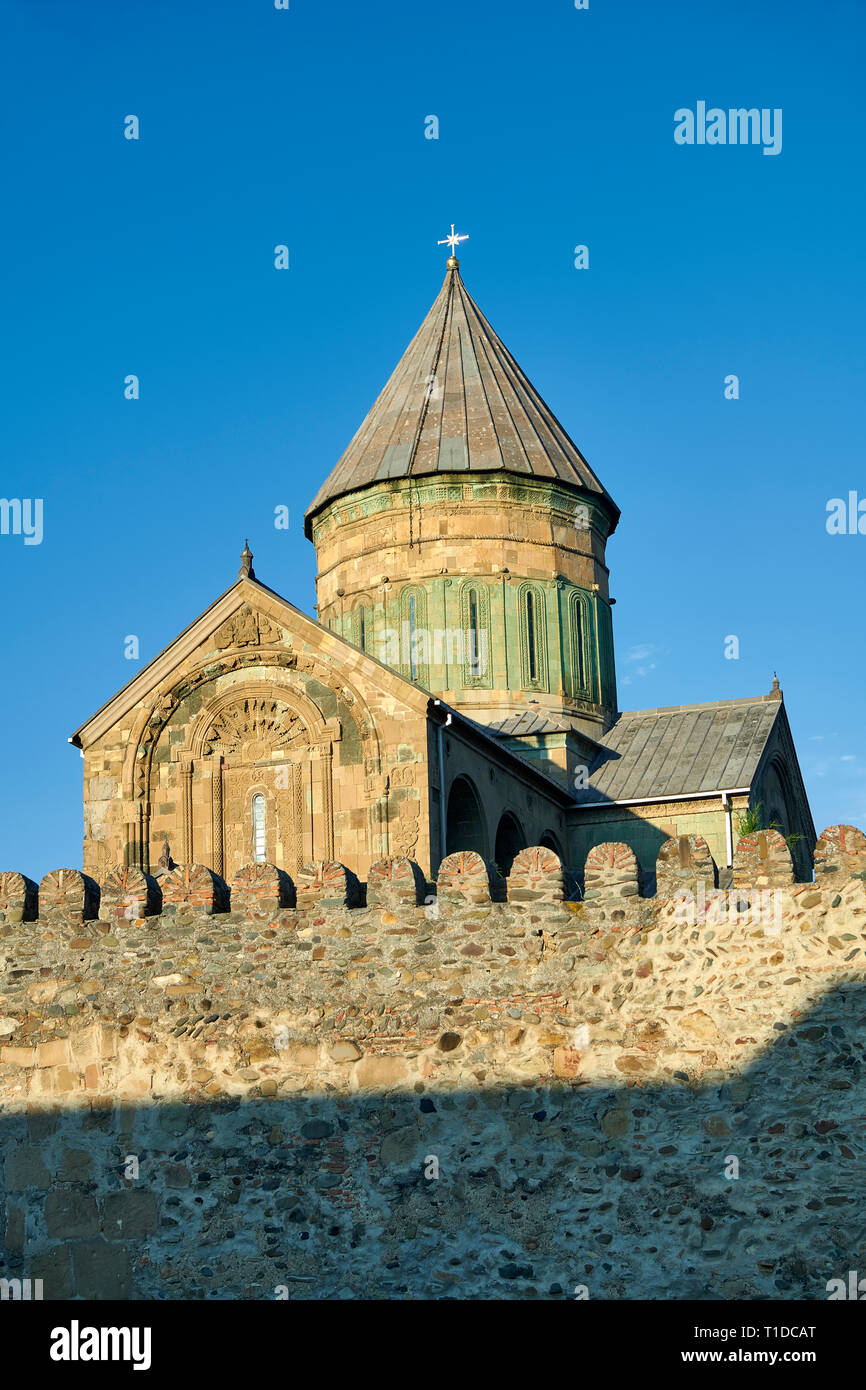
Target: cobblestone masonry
(457,1098)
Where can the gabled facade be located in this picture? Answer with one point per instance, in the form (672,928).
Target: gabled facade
(695,770)
(258,735)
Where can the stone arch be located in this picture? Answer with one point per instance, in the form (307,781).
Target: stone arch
(550,841)
(465,824)
(510,840)
(310,724)
(151,722)
(260,739)
(781,812)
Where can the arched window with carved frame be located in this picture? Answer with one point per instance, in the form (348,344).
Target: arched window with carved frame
(414,635)
(533,636)
(579,630)
(475,633)
(359,626)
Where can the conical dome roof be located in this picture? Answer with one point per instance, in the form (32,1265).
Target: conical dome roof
(457,401)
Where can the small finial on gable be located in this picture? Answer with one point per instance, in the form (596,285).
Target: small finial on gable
(246,570)
(776,689)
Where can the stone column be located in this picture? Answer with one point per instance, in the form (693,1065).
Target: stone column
(217,813)
(186,779)
(324,759)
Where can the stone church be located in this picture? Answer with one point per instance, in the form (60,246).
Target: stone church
(458,688)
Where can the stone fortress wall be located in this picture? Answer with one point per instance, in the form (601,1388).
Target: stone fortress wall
(327,1089)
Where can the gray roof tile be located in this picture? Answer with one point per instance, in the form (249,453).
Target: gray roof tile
(483,413)
(528,722)
(683,749)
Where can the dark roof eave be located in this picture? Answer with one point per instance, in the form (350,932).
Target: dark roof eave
(604,498)
(438,712)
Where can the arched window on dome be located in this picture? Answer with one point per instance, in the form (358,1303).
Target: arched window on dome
(531,646)
(359,632)
(533,637)
(579,634)
(474,634)
(414,636)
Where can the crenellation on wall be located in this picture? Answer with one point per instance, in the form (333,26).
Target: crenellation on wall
(324,883)
(67,894)
(467,877)
(128,893)
(194,886)
(840,851)
(763,859)
(393,883)
(262,888)
(223,988)
(204,1103)
(19,897)
(537,875)
(612,878)
(684,862)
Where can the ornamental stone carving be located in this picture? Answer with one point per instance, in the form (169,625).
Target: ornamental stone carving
(247,628)
(255,727)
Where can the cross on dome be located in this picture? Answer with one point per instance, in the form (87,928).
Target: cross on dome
(453,241)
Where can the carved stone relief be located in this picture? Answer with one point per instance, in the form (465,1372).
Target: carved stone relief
(247,628)
(254,727)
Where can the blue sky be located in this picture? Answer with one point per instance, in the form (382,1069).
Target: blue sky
(306,127)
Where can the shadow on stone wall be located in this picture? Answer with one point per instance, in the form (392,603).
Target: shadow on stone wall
(540,1189)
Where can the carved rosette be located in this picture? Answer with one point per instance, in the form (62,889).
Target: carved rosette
(255,728)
